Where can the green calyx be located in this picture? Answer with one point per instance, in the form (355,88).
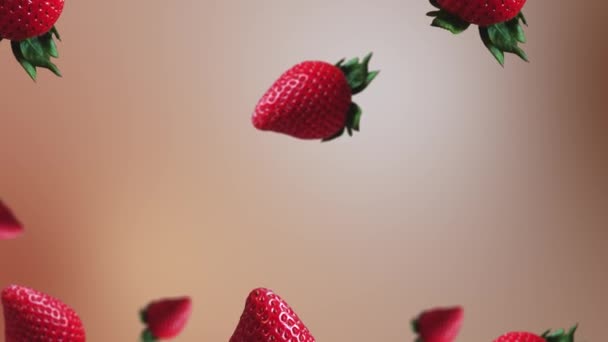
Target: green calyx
(499,38)
(358,77)
(147,336)
(505,37)
(560,335)
(37,52)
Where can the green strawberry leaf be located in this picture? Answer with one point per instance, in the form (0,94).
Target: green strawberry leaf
(37,52)
(560,335)
(147,336)
(504,38)
(448,21)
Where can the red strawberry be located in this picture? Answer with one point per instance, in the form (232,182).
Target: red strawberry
(499,22)
(548,336)
(268,318)
(30,315)
(10,227)
(29,25)
(517,336)
(312,100)
(439,324)
(166,318)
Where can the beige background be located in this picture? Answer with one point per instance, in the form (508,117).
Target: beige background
(138,175)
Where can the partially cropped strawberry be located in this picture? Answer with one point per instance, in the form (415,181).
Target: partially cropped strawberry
(312,100)
(32,316)
(499,22)
(268,318)
(10,227)
(29,25)
(521,336)
(439,324)
(165,318)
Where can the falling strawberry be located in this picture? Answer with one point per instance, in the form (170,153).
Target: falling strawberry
(439,324)
(312,100)
(548,336)
(268,318)
(499,22)
(29,25)
(10,227)
(165,318)
(30,315)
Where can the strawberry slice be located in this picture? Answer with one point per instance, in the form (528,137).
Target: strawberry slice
(268,318)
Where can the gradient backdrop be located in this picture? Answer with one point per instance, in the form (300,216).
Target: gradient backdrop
(139,175)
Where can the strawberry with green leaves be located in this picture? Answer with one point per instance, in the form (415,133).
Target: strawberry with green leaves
(438,324)
(268,318)
(30,26)
(10,227)
(165,318)
(30,316)
(313,100)
(521,336)
(499,22)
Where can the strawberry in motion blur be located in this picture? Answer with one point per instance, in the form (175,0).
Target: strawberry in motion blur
(30,26)
(439,324)
(499,22)
(10,227)
(30,316)
(268,318)
(313,100)
(165,318)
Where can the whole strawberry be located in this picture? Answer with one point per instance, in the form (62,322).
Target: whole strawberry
(499,22)
(521,336)
(439,324)
(165,318)
(312,100)
(32,316)
(10,227)
(268,318)
(29,25)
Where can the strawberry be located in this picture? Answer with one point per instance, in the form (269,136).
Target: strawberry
(439,324)
(29,25)
(519,336)
(10,227)
(499,22)
(166,318)
(548,336)
(268,318)
(30,315)
(312,100)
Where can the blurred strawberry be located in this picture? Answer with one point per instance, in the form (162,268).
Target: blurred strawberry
(165,318)
(10,227)
(32,316)
(268,318)
(439,324)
